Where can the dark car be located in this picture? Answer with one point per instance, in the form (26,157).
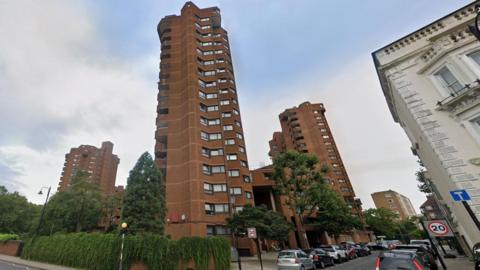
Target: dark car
(423,252)
(400,259)
(361,251)
(320,257)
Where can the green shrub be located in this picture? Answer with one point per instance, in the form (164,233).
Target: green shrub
(7,236)
(101,251)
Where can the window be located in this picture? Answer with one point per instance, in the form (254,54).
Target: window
(213,122)
(220,70)
(248,194)
(205,152)
(335,165)
(233,173)
(238,209)
(221,208)
(247,179)
(229,141)
(204,135)
(224,102)
(220,60)
(201,83)
(235,112)
(235,191)
(326,136)
(205,44)
(205,19)
(345,190)
(209,209)
(206,63)
(227,127)
(222,230)
(341,181)
(238,123)
(212,108)
(243,163)
(332,157)
(203,121)
(222,81)
(232,157)
(201,94)
(208,73)
(216,152)
(218,169)
(449,79)
(223,91)
(210,84)
(218,51)
(208,188)
(234,101)
(205,27)
(226,114)
(240,136)
(206,169)
(220,188)
(241,149)
(214,136)
(475,57)
(210,96)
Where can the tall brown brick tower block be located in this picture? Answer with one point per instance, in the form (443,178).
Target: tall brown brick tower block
(199,138)
(101,164)
(305,129)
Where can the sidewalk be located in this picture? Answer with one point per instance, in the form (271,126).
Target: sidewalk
(32,264)
(459,263)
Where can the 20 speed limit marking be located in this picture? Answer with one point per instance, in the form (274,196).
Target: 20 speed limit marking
(438,228)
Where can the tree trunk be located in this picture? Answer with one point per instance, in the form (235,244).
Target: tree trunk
(301,232)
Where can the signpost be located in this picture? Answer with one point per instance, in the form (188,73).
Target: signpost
(463,196)
(252,234)
(437,228)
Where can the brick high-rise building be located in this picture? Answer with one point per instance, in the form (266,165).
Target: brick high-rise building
(305,129)
(100,163)
(394,201)
(199,138)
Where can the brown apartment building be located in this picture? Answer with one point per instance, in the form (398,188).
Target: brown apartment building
(305,129)
(199,138)
(394,201)
(100,163)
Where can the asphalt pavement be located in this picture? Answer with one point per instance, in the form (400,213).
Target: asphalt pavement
(12,266)
(362,263)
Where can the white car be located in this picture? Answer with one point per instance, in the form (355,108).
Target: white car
(293,259)
(335,252)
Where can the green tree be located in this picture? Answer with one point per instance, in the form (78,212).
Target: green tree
(332,213)
(423,182)
(17,215)
(110,207)
(144,200)
(408,229)
(77,209)
(381,221)
(296,176)
(269,225)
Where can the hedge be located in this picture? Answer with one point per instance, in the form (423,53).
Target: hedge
(101,251)
(7,236)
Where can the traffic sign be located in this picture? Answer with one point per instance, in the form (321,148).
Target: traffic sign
(252,232)
(438,228)
(460,195)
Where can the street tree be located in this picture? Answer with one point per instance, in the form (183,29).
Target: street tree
(381,221)
(423,182)
(269,225)
(332,214)
(296,175)
(144,200)
(77,209)
(17,215)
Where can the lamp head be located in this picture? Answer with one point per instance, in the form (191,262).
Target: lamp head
(124,225)
(40,192)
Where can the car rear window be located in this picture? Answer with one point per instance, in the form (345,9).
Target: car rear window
(327,248)
(286,254)
(395,263)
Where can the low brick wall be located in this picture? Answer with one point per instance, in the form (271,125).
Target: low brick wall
(11,247)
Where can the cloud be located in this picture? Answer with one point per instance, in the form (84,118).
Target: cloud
(60,87)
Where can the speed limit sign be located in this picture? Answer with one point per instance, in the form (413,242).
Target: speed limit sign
(438,228)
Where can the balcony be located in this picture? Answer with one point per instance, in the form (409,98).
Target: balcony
(462,100)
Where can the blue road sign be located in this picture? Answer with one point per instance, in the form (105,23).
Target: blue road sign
(460,195)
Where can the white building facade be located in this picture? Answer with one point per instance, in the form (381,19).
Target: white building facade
(430,79)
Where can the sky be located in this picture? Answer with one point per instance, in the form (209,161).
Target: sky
(82,72)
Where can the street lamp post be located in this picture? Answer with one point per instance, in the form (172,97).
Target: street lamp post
(124,227)
(43,209)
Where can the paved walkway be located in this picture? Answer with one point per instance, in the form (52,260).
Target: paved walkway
(31,264)
(458,263)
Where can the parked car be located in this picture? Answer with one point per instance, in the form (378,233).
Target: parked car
(400,259)
(294,259)
(361,251)
(335,252)
(349,251)
(320,258)
(423,252)
(420,242)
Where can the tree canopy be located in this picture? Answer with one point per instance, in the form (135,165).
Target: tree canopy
(381,221)
(77,209)
(144,200)
(269,225)
(17,215)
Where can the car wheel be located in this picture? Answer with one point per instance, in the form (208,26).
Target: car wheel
(332,262)
(302,267)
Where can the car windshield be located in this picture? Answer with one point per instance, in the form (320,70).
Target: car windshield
(286,254)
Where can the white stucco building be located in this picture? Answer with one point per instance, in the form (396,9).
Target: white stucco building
(430,79)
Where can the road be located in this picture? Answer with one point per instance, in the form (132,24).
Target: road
(11,266)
